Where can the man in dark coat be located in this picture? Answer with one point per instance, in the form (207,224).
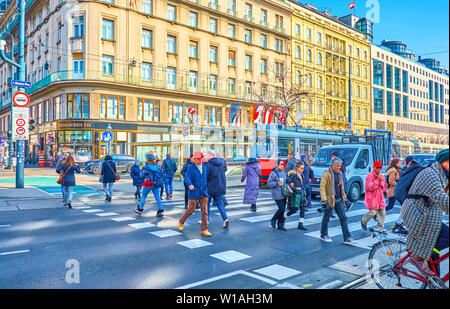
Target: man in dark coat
(170,167)
(108,174)
(183,173)
(135,174)
(307,175)
(291,162)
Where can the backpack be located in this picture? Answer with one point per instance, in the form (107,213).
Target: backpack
(405,182)
(158,179)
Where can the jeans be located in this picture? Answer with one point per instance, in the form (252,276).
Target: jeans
(279,215)
(108,188)
(138,191)
(145,192)
(340,211)
(168,182)
(308,194)
(218,202)
(68,192)
(391,203)
(161,191)
(62,191)
(441,244)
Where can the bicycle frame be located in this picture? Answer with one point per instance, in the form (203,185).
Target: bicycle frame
(418,276)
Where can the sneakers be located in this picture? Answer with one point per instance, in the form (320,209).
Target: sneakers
(160,213)
(363,226)
(107,198)
(225,204)
(326,238)
(180,226)
(281,228)
(69,205)
(400,229)
(302,227)
(205,233)
(138,211)
(253,208)
(350,241)
(167,198)
(226,224)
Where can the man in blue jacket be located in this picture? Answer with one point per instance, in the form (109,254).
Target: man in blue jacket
(307,175)
(196,181)
(216,184)
(170,167)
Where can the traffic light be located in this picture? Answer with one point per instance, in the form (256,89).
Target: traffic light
(31,123)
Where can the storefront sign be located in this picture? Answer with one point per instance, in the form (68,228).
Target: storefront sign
(74,125)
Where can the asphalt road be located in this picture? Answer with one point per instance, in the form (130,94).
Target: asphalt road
(46,248)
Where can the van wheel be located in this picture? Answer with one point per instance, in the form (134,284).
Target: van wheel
(354,192)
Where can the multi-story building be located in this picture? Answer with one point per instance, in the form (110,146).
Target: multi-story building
(138,66)
(411,98)
(328,56)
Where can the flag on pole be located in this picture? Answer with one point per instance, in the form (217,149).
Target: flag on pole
(257,116)
(283,114)
(268,114)
(234,110)
(351,5)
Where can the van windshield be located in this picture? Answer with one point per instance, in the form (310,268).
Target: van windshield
(323,157)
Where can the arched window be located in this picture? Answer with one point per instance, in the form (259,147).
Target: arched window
(309,80)
(309,106)
(297,77)
(365,93)
(319,58)
(319,82)
(319,107)
(358,93)
(357,70)
(309,56)
(365,72)
(297,52)
(334,88)
(341,89)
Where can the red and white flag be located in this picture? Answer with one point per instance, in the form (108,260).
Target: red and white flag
(191,110)
(351,5)
(268,115)
(283,114)
(257,116)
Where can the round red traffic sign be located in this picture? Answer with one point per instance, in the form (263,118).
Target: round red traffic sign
(20,122)
(21,99)
(20,130)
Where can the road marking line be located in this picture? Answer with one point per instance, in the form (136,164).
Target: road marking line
(238,272)
(277,272)
(194,243)
(165,233)
(230,256)
(123,219)
(141,225)
(107,214)
(92,210)
(6,225)
(330,284)
(14,252)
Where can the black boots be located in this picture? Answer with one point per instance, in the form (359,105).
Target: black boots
(160,213)
(253,207)
(301,227)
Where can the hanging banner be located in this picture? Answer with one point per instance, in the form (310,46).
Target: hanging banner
(234,110)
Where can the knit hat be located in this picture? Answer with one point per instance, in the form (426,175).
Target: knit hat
(442,156)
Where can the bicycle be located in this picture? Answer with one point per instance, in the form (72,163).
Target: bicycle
(390,268)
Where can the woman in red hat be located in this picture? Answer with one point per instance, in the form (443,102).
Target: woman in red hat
(374,201)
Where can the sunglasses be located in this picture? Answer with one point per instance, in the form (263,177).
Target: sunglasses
(378,168)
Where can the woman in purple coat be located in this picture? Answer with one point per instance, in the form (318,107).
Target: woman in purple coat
(252,172)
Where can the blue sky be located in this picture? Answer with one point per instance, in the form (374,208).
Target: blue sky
(421,25)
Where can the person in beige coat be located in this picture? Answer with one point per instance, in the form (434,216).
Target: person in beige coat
(393,173)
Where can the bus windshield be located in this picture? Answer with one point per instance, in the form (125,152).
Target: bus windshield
(323,157)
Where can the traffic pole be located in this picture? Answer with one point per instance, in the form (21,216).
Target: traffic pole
(21,70)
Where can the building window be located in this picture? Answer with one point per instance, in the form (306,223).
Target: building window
(248,63)
(263,40)
(378,70)
(212,83)
(148,110)
(108,65)
(231,86)
(193,49)
(319,37)
(108,30)
(171,44)
(397,105)
(213,54)
(178,112)
(319,82)
(308,33)
(405,107)
(405,81)
(147,6)
(231,31)
(297,77)
(279,45)
(309,80)
(297,29)
(171,12)
(319,58)
(213,116)
(263,66)
(248,12)
(309,55)
(213,25)
(231,58)
(193,19)
(171,78)
(389,76)
(193,81)
(147,71)
(279,69)
(77,105)
(378,101)
(319,107)
(147,38)
(397,79)
(78,27)
(248,36)
(112,107)
(263,17)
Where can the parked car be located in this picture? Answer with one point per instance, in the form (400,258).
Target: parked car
(424,159)
(123,164)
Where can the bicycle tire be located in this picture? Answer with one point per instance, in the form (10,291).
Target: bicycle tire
(385,276)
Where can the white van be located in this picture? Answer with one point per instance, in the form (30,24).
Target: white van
(358,160)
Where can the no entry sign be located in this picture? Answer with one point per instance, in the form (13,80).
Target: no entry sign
(21,99)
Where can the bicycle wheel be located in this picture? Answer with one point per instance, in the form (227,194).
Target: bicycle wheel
(382,258)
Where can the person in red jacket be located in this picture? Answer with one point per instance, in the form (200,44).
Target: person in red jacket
(374,201)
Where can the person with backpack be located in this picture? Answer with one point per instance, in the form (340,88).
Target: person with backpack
(392,175)
(252,172)
(275,182)
(422,213)
(196,181)
(108,177)
(135,174)
(296,181)
(170,167)
(153,181)
(404,182)
(374,200)
(67,169)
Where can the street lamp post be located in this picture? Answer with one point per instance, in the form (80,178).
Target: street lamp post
(109,141)
(21,76)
